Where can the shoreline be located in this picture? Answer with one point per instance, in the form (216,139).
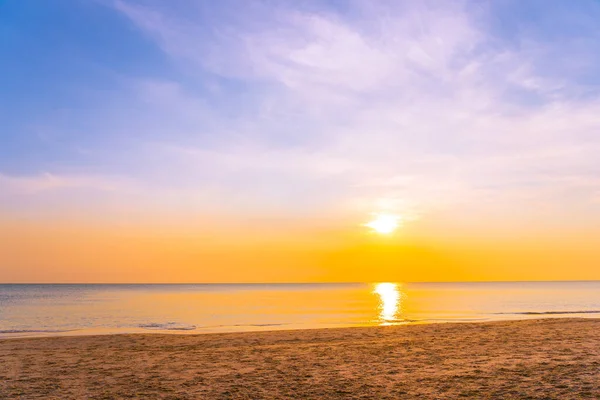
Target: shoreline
(86,332)
(536,358)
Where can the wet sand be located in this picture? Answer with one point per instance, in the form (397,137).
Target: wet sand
(536,359)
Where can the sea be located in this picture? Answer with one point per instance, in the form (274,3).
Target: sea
(82,309)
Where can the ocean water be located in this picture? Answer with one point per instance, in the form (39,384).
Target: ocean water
(38,310)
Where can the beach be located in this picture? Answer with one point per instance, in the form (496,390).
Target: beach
(536,359)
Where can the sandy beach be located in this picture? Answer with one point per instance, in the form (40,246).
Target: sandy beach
(536,359)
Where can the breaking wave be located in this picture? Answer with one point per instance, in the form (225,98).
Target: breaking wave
(169,326)
(551,312)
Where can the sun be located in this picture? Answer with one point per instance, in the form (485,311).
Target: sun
(384,223)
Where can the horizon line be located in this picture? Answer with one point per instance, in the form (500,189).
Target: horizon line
(290,283)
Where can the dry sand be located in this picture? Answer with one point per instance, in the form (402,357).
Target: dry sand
(539,359)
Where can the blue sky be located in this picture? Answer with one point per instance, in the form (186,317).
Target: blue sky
(449,109)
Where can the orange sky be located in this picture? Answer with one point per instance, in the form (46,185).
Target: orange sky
(58,252)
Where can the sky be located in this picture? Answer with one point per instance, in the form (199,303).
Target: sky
(253,141)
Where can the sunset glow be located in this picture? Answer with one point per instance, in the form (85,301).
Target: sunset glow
(389,296)
(384,223)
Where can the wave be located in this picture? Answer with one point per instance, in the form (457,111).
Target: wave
(551,312)
(477,319)
(396,321)
(13,331)
(169,326)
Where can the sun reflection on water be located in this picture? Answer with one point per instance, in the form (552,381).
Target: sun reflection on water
(389,301)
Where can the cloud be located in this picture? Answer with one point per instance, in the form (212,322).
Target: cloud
(423,105)
(46,182)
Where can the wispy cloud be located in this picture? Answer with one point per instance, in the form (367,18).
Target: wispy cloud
(46,182)
(421,102)
(421,106)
